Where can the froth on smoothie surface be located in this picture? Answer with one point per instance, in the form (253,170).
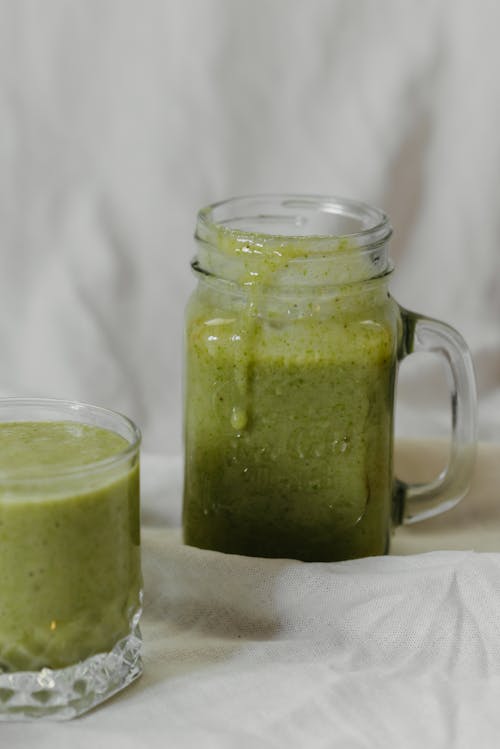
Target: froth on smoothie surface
(28,447)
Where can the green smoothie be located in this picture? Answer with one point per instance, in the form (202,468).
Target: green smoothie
(288,424)
(70,575)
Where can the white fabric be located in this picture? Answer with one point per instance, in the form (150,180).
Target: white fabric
(119,119)
(376,653)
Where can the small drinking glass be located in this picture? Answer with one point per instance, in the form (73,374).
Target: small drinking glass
(70,571)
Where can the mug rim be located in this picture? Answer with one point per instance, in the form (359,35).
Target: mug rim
(375,225)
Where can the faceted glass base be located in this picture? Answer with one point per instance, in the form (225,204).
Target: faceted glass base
(59,694)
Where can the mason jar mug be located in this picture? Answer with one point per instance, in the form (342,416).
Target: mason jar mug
(292,349)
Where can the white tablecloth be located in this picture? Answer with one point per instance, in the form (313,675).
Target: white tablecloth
(401,651)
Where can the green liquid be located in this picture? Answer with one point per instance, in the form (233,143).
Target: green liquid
(289,428)
(70,575)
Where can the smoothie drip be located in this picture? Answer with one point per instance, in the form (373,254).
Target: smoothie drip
(258,270)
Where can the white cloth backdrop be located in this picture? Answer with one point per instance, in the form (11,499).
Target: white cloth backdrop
(118,119)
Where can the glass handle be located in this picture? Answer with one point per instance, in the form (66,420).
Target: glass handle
(419,501)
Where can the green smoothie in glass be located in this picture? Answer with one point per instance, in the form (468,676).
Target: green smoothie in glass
(70,574)
(292,344)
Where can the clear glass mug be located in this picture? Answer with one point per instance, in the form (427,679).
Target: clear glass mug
(292,350)
(70,570)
